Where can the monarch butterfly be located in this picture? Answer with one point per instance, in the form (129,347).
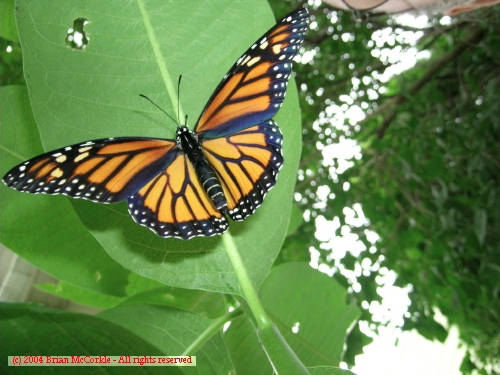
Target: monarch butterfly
(185,187)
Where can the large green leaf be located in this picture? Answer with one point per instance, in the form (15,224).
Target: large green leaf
(42,229)
(78,95)
(310,311)
(33,330)
(208,304)
(172,331)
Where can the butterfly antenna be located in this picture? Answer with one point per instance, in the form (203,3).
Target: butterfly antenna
(179,99)
(161,109)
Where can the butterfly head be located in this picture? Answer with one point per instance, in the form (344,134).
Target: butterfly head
(187,140)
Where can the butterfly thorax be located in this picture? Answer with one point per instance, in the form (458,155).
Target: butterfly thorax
(189,144)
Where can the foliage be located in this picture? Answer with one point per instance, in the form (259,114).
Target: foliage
(158,297)
(428,179)
(427,183)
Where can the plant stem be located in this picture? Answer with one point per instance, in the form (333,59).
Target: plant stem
(247,288)
(210,331)
(281,357)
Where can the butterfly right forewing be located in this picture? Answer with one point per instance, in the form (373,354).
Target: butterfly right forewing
(254,88)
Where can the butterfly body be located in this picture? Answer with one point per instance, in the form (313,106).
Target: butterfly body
(185,187)
(189,143)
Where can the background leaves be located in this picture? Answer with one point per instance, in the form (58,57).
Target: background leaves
(427,180)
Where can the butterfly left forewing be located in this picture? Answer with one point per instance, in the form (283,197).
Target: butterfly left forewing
(103,170)
(174,204)
(247,164)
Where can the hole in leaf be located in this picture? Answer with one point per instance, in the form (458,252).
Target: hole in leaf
(77,38)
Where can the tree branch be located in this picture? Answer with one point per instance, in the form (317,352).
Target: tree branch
(473,38)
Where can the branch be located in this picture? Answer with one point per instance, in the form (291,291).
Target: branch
(474,37)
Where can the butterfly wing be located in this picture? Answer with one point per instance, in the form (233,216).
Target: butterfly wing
(254,88)
(103,170)
(247,163)
(174,204)
(235,130)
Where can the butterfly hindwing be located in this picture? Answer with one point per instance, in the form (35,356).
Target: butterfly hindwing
(104,170)
(174,204)
(254,88)
(247,163)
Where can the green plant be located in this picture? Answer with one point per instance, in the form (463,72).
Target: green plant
(160,297)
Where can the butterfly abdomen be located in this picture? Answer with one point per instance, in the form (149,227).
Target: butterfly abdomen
(189,143)
(211,184)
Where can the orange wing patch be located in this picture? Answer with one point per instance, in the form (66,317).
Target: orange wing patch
(218,100)
(241,94)
(259,71)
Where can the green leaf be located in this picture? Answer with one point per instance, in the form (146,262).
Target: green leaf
(58,333)
(299,298)
(172,331)
(327,370)
(283,358)
(7,21)
(78,95)
(303,299)
(79,295)
(138,284)
(296,220)
(480,220)
(244,348)
(42,229)
(207,304)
